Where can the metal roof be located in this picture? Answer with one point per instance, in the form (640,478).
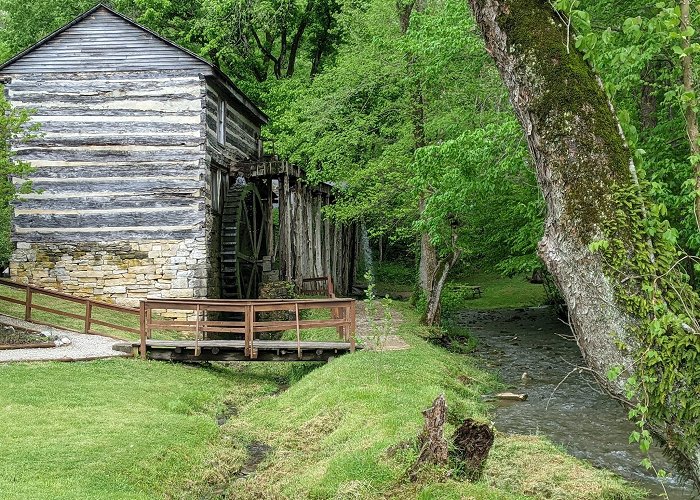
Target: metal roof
(238,94)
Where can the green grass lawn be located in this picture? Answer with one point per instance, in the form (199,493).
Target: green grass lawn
(498,292)
(114,429)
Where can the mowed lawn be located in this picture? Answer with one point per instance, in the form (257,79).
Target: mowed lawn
(115,428)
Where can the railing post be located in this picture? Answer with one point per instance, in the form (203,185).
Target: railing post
(253,350)
(88,315)
(331,288)
(250,331)
(149,320)
(142,323)
(353,325)
(197,349)
(28,304)
(296,311)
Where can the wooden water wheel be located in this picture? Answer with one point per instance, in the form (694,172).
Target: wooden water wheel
(243,242)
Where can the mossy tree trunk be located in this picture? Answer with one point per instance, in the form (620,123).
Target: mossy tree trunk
(582,163)
(432,314)
(691,116)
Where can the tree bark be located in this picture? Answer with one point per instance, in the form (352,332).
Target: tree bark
(691,119)
(428,261)
(428,258)
(432,314)
(581,160)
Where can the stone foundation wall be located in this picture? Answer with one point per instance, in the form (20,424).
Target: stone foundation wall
(122,272)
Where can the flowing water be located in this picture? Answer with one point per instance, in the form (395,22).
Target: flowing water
(589,424)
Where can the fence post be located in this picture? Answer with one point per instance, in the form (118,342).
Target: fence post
(197,349)
(28,304)
(331,288)
(88,316)
(149,320)
(142,324)
(247,328)
(253,350)
(353,325)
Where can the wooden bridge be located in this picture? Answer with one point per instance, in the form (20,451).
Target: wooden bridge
(251,323)
(214,329)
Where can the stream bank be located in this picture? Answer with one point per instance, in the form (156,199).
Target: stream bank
(563,404)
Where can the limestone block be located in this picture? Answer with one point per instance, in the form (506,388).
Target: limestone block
(180,293)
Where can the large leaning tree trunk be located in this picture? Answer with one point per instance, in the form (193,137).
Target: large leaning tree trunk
(630,308)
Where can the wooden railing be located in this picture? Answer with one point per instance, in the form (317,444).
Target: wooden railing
(342,318)
(322,285)
(87,316)
(342,315)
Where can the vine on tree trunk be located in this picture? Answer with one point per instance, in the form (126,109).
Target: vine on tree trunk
(664,387)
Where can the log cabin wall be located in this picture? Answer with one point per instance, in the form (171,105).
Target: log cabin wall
(123,175)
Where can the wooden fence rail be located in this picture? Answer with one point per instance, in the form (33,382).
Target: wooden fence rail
(342,312)
(322,285)
(342,318)
(87,316)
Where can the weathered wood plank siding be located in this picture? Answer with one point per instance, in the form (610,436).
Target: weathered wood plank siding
(242,131)
(121,119)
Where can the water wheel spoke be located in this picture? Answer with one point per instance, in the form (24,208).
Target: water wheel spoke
(246,211)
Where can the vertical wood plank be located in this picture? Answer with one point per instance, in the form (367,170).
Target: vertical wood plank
(282,243)
(318,232)
(353,326)
(88,316)
(197,349)
(327,242)
(269,220)
(142,324)
(28,304)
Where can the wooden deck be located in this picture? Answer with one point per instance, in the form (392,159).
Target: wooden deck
(235,350)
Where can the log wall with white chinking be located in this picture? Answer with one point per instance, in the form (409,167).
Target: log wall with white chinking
(120,176)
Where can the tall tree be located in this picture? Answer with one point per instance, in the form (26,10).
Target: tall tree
(266,38)
(630,307)
(690,100)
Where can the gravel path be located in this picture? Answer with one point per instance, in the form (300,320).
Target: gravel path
(375,335)
(82,347)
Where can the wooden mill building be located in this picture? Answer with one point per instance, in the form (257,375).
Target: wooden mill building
(149,176)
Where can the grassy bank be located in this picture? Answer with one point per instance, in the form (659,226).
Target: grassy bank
(129,429)
(113,429)
(498,291)
(331,436)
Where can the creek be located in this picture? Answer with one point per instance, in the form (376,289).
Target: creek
(577,415)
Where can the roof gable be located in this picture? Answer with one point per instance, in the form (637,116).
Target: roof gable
(103,40)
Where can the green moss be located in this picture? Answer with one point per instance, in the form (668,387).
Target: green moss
(566,96)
